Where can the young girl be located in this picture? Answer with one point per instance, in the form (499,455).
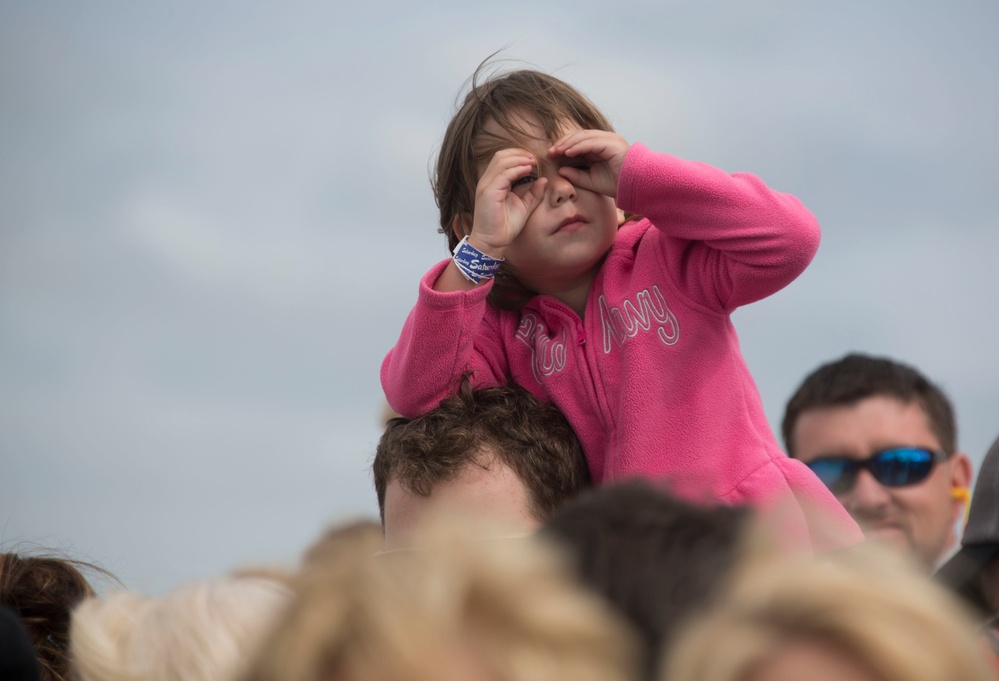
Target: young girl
(623,323)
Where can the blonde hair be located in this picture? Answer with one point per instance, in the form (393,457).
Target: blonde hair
(201,631)
(338,539)
(875,606)
(455,609)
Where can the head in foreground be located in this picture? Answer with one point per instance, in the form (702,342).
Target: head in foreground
(860,615)
(42,591)
(657,559)
(200,631)
(459,608)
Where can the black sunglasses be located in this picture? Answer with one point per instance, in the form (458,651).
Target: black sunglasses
(895,467)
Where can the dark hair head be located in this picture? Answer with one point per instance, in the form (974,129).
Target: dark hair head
(531,437)
(656,559)
(503,98)
(856,377)
(18,661)
(43,591)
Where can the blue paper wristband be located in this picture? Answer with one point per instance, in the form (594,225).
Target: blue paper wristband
(473,264)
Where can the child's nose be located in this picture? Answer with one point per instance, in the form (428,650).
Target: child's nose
(561,190)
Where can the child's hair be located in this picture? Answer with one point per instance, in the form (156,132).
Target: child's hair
(466,146)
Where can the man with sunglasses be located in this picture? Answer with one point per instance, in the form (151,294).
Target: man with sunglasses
(883,438)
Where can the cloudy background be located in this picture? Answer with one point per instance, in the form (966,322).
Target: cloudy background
(213,217)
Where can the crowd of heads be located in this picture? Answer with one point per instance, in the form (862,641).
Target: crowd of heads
(625,582)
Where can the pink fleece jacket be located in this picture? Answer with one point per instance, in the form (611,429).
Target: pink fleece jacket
(651,378)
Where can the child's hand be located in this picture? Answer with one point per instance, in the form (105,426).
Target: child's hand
(601,155)
(506,195)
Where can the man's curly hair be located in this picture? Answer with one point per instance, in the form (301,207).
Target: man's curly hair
(533,438)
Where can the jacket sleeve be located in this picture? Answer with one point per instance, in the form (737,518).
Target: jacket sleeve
(445,335)
(727,239)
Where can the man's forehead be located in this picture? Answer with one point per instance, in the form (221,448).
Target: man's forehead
(485,486)
(483,458)
(863,427)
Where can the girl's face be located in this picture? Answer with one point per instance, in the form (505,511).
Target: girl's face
(567,235)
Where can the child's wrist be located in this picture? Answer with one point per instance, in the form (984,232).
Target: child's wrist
(494,252)
(474,264)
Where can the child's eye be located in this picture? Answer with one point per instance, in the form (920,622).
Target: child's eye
(582,165)
(523,181)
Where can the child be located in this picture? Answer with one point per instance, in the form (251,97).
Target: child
(622,323)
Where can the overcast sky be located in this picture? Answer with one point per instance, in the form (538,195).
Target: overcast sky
(213,219)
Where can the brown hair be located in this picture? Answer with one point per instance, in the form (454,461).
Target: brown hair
(856,377)
(531,437)
(43,590)
(466,146)
(657,559)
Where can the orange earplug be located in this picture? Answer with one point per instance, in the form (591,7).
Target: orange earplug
(962,494)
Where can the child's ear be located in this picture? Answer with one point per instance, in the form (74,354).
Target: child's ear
(461,225)
(620,217)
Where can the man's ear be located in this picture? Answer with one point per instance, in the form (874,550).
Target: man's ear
(960,470)
(461,225)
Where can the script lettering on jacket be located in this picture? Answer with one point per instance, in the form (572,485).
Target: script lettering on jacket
(626,321)
(547,354)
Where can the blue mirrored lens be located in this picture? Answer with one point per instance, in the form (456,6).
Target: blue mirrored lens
(835,473)
(892,468)
(900,467)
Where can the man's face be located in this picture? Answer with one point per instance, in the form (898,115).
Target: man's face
(918,518)
(490,490)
